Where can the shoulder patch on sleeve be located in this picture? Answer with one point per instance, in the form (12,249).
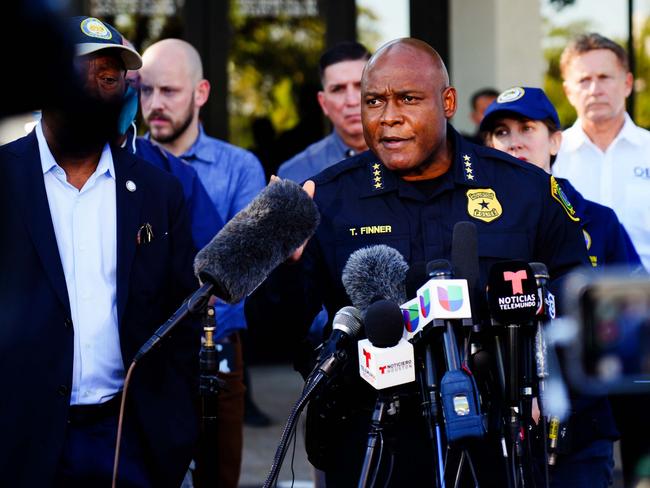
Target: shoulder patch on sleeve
(558,194)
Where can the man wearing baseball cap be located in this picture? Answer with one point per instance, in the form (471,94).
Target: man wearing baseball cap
(96,253)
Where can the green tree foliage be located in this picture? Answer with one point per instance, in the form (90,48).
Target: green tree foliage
(642,75)
(556,39)
(269,59)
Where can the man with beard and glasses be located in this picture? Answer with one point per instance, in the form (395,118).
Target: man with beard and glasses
(96,253)
(172,92)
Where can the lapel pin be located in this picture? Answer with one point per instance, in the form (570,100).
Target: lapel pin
(130,186)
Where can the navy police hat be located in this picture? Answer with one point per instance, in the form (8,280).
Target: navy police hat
(528,102)
(90,35)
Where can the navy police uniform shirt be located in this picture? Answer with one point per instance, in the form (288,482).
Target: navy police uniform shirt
(607,241)
(517,212)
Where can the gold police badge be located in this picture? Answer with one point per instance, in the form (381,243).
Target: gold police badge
(482,204)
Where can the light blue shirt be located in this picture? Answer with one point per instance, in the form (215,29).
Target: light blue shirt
(315,158)
(232,177)
(85,226)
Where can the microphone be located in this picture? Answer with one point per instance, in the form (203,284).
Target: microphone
(512,292)
(464,259)
(385,357)
(385,361)
(545,311)
(513,301)
(346,327)
(256,240)
(245,251)
(373,273)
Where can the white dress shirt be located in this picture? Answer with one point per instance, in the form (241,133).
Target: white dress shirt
(85,225)
(619,177)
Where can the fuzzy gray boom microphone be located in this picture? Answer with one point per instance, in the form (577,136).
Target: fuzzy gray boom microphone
(373,273)
(245,251)
(256,240)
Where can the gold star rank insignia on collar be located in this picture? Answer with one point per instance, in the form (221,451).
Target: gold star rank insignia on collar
(482,204)
(377,177)
(469,170)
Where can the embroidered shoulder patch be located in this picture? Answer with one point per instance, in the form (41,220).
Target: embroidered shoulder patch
(558,194)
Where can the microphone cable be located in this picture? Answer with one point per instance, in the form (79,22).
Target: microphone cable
(116,459)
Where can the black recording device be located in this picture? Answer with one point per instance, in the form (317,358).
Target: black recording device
(610,351)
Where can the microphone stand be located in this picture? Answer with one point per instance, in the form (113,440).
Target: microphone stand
(387,405)
(514,401)
(210,386)
(431,408)
(318,376)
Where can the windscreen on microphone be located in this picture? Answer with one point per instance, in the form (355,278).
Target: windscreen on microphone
(512,292)
(375,272)
(349,321)
(384,323)
(464,255)
(346,327)
(257,240)
(464,251)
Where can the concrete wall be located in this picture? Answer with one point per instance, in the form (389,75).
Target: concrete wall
(494,43)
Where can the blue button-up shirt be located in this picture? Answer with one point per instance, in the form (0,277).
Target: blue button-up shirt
(315,158)
(232,177)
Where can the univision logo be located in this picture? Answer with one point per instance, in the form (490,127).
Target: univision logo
(450,298)
(425,304)
(411,318)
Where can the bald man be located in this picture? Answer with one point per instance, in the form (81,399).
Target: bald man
(172,92)
(419,178)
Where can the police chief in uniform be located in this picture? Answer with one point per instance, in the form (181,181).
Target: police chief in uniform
(419,178)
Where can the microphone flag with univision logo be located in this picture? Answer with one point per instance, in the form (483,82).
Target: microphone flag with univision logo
(443,299)
(512,292)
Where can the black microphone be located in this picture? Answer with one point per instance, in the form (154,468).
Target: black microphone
(545,311)
(373,273)
(346,327)
(464,259)
(512,292)
(513,302)
(245,251)
(385,361)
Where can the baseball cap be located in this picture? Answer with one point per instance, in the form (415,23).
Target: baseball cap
(90,35)
(529,102)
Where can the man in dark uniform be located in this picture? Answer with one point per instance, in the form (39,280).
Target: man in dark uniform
(418,179)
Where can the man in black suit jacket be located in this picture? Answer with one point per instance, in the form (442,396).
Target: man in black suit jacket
(49,434)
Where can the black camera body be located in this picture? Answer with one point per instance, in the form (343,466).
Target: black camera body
(610,348)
